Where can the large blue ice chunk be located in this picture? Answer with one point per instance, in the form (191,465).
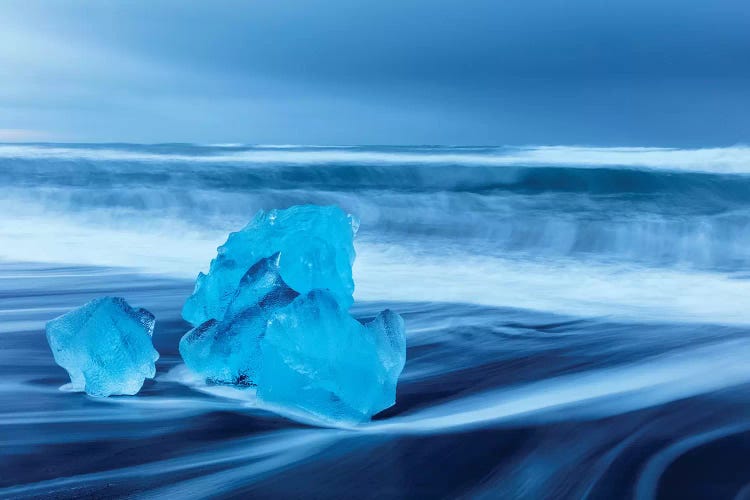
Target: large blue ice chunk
(301,351)
(316,250)
(273,314)
(105,346)
(316,357)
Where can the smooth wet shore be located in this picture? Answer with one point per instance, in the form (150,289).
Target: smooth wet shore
(492,402)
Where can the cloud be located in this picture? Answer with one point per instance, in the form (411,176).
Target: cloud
(413,71)
(23,135)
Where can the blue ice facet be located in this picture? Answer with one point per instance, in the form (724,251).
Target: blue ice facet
(316,250)
(227,351)
(316,357)
(105,346)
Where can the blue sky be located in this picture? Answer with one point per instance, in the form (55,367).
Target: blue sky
(651,73)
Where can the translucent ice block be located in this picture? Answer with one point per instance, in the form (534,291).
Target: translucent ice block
(105,346)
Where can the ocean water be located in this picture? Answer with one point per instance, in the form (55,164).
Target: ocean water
(578,321)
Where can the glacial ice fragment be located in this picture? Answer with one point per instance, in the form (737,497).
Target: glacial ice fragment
(280,323)
(315,244)
(105,346)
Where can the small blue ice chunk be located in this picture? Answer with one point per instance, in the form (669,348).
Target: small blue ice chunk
(227,351)
(315,356)
(316,250)
(105,346)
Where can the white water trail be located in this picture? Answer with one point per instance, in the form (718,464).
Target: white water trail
(729,160)
(395,273)
(589,395)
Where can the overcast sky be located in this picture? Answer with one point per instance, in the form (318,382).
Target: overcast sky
(636,72)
